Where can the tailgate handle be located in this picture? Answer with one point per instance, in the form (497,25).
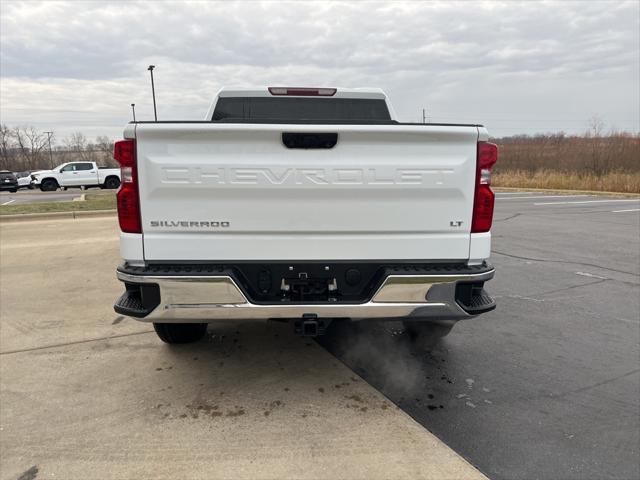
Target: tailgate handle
(309,140)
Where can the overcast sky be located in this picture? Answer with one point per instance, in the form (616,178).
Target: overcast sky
(516,67)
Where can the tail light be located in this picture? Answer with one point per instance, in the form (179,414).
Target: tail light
(124,151)
(484,197)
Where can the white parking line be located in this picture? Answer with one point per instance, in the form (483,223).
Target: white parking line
(587,274)
(7,203)
(514,193)
(587,201)
(543,196)
(628,210)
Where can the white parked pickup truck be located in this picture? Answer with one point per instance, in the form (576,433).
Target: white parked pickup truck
(76,174)
(307,205)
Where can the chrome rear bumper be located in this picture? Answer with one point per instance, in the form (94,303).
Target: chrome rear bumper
(206,298)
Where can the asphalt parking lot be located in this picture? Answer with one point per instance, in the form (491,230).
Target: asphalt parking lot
(544,387)
(25,196)
(547,386)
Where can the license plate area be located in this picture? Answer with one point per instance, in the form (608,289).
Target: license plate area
(308,282)
(303,287)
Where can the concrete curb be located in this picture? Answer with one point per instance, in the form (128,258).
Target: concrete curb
(27,217)
(557,190)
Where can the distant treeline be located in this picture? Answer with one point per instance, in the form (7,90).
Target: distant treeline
(596,154)
(26,148)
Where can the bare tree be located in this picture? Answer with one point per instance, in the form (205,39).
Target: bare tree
(50,159)
(30,144)
(76,143)
(105,146)
(6,145)
(596,128)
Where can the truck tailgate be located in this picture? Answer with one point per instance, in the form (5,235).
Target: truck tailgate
(233,192)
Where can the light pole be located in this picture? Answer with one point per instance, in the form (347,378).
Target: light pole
(49,135)
(133,109)
(153,92)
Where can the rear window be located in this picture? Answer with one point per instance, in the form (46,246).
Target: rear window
(300,110)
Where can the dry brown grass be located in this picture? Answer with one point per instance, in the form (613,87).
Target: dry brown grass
(549,179)
(594,162)
(614,152)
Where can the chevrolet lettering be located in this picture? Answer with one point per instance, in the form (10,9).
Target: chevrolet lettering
(305,176)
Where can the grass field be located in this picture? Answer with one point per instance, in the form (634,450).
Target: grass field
(94,201)
(594,161)
(549,179)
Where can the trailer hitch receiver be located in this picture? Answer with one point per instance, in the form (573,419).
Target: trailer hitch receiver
(309,325)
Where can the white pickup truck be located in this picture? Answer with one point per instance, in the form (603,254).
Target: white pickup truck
(306,205)
(76,175)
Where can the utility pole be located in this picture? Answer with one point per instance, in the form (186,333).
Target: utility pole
(424,115)
(133,109)
(153,92)
(49,135)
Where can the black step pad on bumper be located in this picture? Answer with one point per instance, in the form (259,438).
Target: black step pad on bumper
(138,300)
(474,299)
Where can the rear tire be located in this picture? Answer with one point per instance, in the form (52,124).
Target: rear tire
(111,183)
(48,185)
(15,190)
(176,333)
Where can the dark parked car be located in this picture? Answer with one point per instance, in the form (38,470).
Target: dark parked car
(8,181)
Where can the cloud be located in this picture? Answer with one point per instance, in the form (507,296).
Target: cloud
(518,67)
